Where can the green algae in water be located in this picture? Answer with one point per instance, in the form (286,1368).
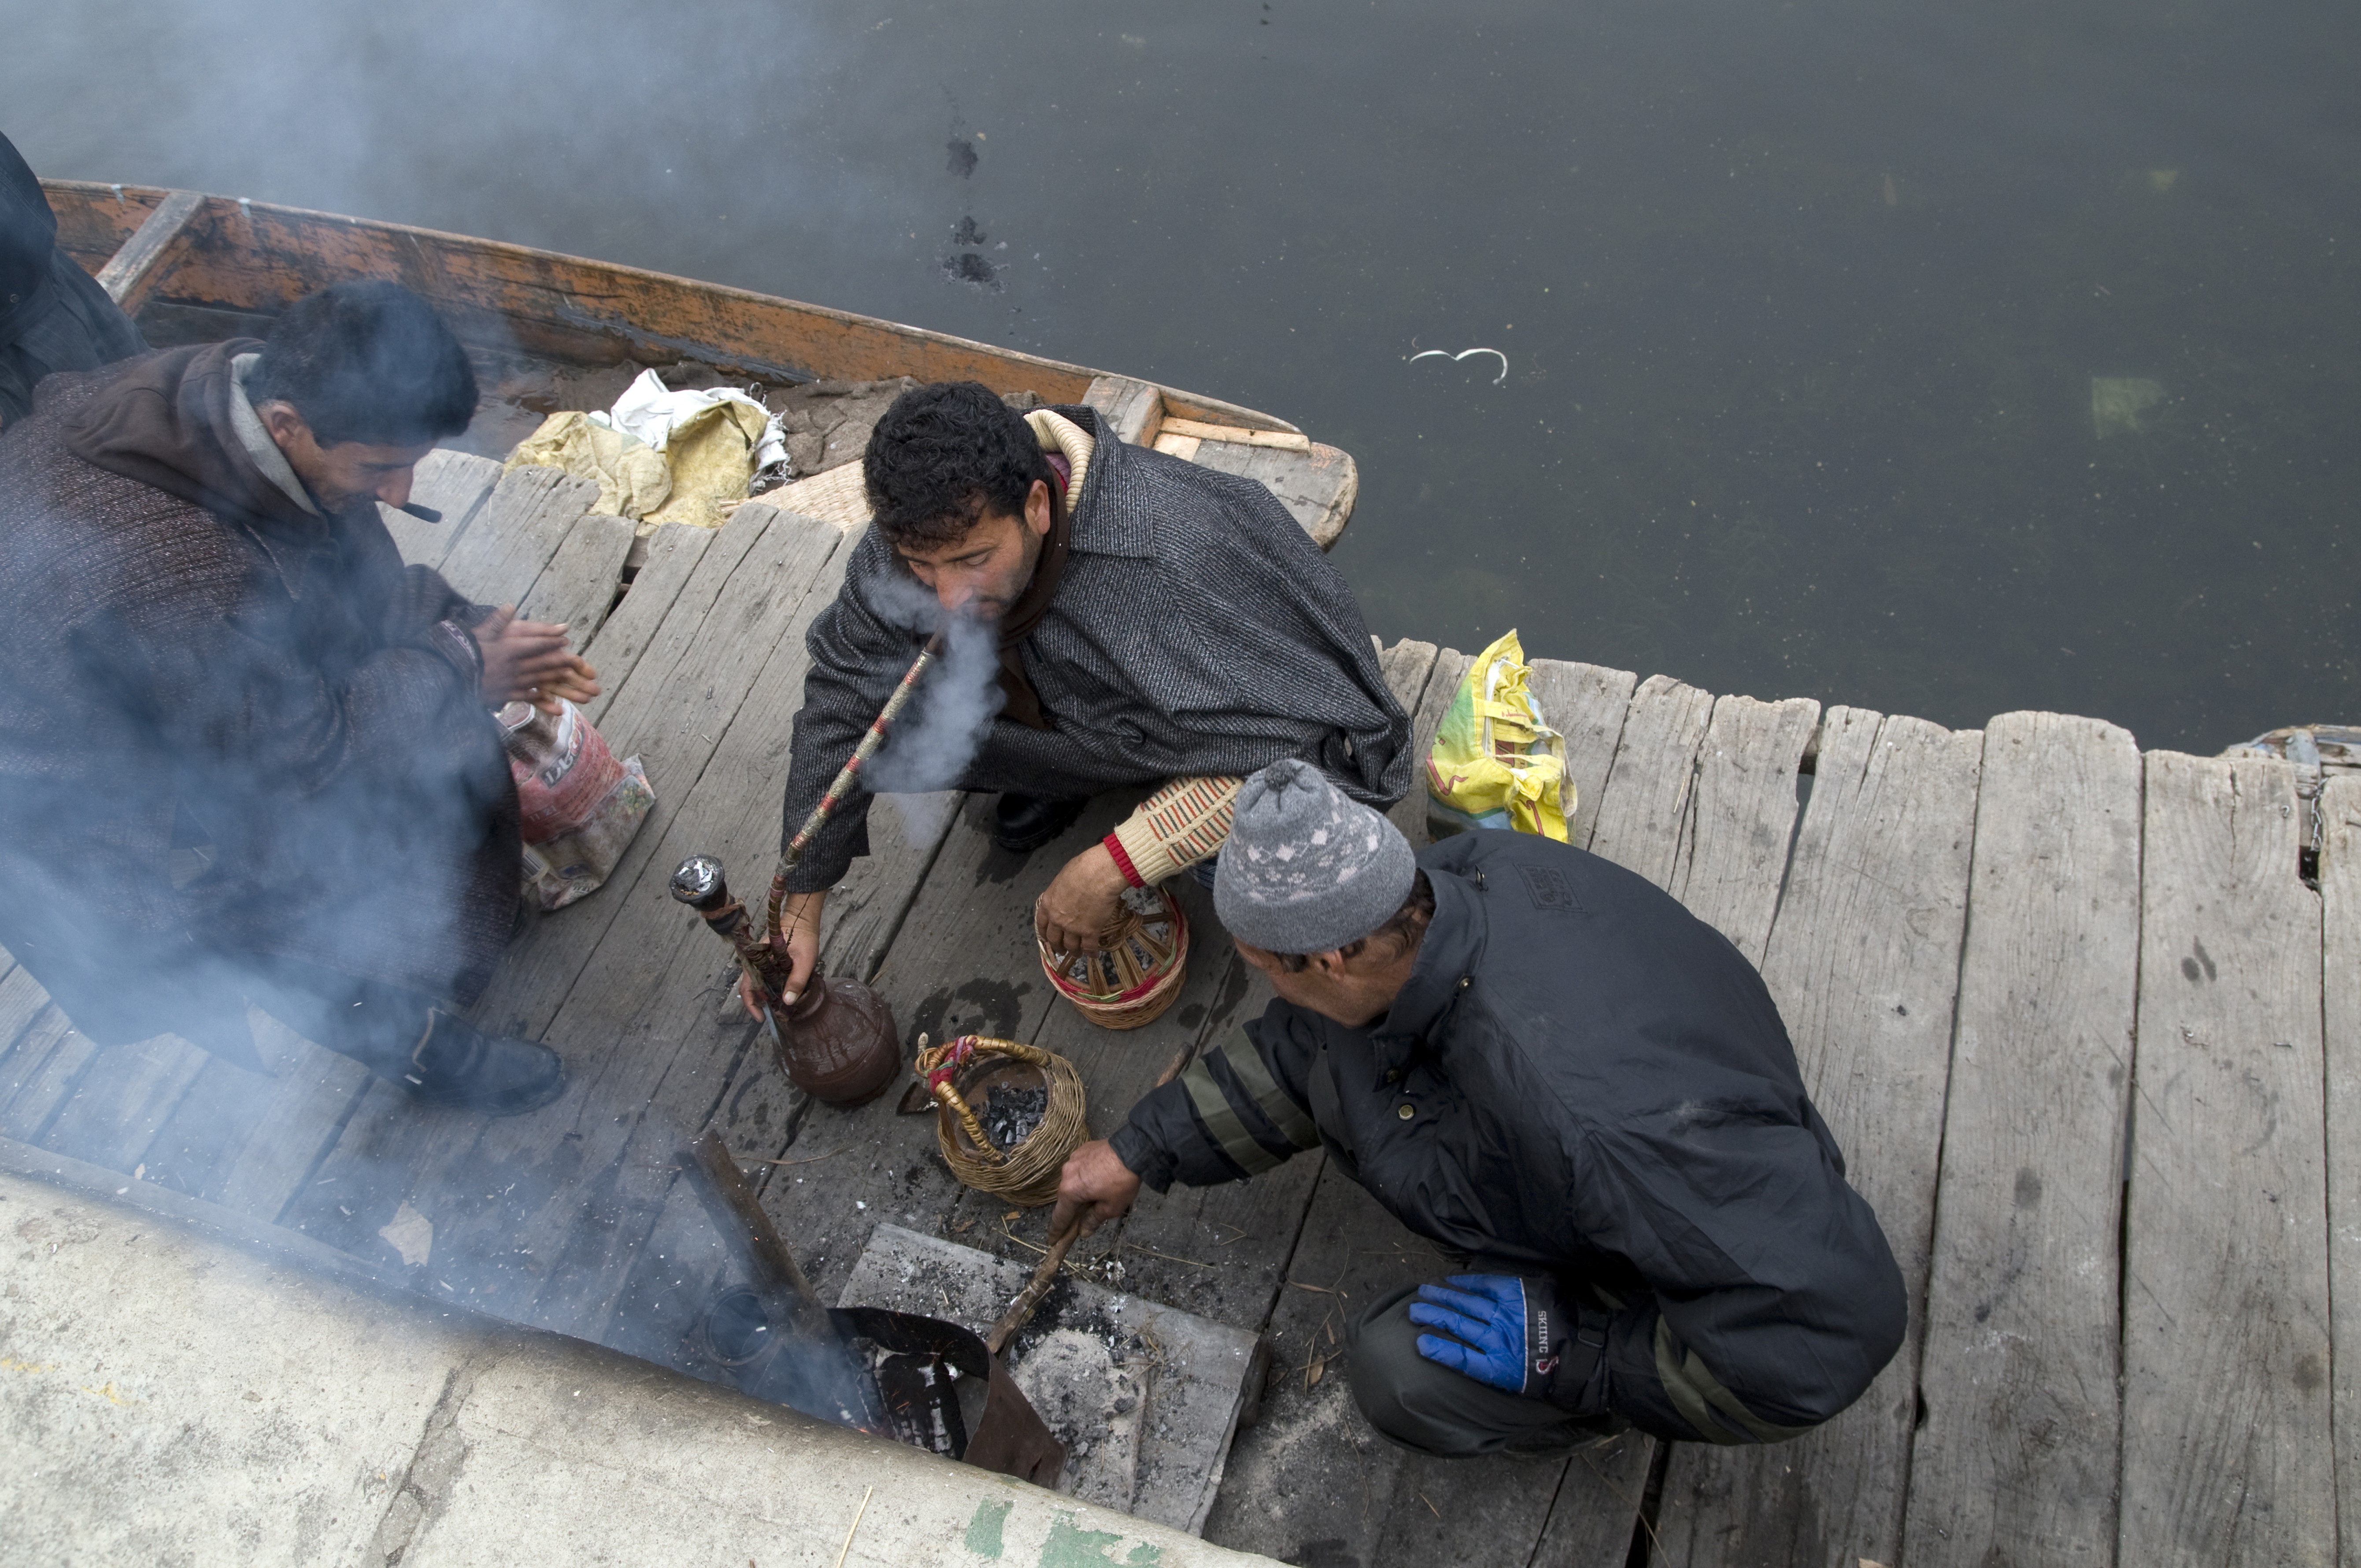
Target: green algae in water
(2118,402)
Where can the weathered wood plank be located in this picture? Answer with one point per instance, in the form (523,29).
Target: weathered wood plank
(134,270)
(2226,1440)
(965,962)
(1317,488)
(21,1001)
(528,515)
(296,1123)
(580,582)
(674,552)
(2340,891)
(1135,409)
(1645,802)
(40,1074)
(1597,1510)
(673,709)
(1741,815)
(2017,1458)
(123,1100)
(1442,685)
(1586,704)
(453,483)
(1863,960)
(1311,1481)
(626,1030)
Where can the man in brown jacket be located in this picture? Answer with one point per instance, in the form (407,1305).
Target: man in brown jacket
(244,752)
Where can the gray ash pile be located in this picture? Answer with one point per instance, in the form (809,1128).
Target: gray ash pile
(1009,1115)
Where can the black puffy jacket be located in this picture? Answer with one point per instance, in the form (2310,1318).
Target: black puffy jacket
(1580,1079)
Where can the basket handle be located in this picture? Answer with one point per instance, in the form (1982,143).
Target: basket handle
(935,1072)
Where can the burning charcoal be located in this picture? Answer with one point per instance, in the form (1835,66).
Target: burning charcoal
(1011,1114)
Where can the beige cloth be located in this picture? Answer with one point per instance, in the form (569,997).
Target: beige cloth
(630,475)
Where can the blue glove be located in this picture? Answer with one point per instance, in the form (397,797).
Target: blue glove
(1486,1317)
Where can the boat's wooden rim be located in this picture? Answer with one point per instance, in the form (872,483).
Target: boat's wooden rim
(207,252)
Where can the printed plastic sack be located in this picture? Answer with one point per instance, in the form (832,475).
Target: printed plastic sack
(1494,762)
(582,808)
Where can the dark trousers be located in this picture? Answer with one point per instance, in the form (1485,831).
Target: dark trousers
(1431,1409)
(376,1025)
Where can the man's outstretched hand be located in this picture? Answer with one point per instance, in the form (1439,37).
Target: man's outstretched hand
(1094,1187)
(799,941)
(528,661)
(1074,911)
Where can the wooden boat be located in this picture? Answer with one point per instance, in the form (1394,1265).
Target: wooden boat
(194,268)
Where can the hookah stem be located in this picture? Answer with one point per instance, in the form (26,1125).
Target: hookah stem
(843,787)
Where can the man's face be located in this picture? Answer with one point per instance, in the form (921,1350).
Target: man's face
(348,471)
(986,569)
(1329,984)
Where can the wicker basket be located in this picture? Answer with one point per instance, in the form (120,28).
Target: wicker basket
(1139,975)
(963,1074)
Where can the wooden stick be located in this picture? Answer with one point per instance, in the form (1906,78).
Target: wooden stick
(842,1550)
(1030,1298)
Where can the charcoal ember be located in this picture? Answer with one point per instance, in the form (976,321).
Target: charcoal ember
(1011,1114)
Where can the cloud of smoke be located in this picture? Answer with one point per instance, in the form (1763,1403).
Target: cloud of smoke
(930,748)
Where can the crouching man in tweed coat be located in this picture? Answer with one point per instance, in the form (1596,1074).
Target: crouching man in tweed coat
(1154,622)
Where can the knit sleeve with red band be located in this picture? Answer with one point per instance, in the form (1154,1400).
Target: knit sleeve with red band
(1177,825)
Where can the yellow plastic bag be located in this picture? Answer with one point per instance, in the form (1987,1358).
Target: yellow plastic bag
(1494,762)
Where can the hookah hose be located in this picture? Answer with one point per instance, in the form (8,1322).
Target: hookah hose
(842,788)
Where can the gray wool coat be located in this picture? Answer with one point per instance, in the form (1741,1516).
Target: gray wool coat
(1197,631)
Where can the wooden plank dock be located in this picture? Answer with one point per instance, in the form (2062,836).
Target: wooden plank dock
(2091,1045)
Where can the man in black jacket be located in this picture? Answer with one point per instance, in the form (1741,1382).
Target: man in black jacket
(53,315)
(1543,1063)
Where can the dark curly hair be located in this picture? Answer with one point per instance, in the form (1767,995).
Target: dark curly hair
(944,456)
(369,362)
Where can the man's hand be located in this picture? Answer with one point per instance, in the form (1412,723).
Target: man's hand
(1073,913)
(799,940)
(1096,1187)
(1485,1316)
(528,661)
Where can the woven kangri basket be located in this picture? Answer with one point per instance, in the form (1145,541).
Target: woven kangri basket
(1139,975)
(963,1074)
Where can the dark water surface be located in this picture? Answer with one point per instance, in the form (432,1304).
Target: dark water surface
(1939,359)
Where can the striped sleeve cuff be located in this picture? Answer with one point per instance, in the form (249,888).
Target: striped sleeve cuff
(1177,825)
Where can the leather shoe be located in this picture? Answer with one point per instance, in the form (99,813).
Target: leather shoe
(457,1065)
(1023,823)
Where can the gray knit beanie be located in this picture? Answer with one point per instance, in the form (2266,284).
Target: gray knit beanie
(1306,868)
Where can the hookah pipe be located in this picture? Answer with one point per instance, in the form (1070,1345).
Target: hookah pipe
(698,881)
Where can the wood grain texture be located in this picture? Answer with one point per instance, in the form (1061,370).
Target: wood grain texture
(1741,815)
(1443,681)
(2340,897)
(1863,962)
(673,554)
(40,1073)
(528,515)
(123,1101)
(1134,409)
(453,483)
(2018,1453)
(1313,1482)
(578,586)
(1645,801)
(1318,488)
(1587,705)
(1407,665)
(610,982)
(2226,1417)
(752,585)
(132,273)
